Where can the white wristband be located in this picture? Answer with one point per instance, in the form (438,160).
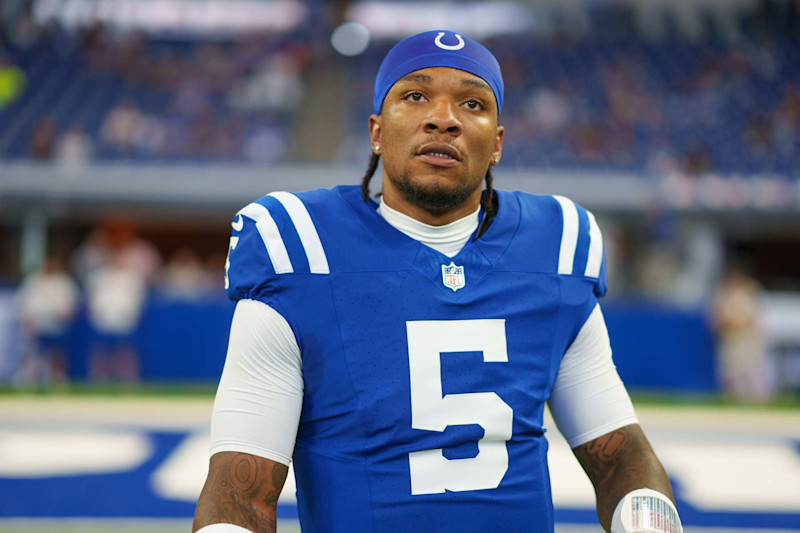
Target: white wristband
(223,528)
(645,511)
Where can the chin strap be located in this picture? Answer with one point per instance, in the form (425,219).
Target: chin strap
(645,511)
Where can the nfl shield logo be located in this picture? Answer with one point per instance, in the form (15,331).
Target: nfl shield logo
(453,276)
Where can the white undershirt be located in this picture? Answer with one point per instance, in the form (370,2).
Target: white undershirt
(260,394)
(448,239)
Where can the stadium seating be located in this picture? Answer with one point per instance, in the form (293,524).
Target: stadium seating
(175,99)
(616,101)
(632,105)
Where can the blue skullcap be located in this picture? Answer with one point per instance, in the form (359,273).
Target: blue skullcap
(437,48)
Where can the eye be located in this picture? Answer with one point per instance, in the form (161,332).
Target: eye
(415,97)
(473,105)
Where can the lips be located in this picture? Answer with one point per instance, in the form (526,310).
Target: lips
(439,154)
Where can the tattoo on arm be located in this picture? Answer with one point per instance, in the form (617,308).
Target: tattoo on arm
(600,456)
(241,489)
(618,462)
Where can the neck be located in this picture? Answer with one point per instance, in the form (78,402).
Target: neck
(397,201)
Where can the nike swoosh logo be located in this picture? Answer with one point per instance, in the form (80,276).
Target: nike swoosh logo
(238,224)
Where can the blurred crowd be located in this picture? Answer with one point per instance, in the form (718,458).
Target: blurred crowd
(614,100)
(110,277)
(98,94)
(623,101)
(724,109)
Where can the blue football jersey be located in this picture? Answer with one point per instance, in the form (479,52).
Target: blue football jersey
(425,376)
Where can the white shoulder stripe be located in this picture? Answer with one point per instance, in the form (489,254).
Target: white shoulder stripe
(595,260)
(270,235)
(569,235)
(317,261)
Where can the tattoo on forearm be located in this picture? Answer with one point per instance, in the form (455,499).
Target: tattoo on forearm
(279,473)
(243,490)
(618,463)
(242,472)
(600,456)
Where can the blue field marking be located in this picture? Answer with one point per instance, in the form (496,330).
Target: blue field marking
(287,512)
(130,493)
(124,494)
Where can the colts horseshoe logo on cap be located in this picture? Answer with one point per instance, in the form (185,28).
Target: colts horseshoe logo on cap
(438,42)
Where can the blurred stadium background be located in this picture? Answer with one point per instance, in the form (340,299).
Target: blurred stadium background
(132,130)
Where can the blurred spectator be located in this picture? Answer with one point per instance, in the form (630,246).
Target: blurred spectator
(116,240)
(12,81)
(184,277)
(116,265)
(742,359)
(657,269)
(115,296)
(131,251)
(659,260)
(48,301)
(91,255)
(661,157)
(276,85)
(122,126)
(42,142)
(74,148)
(701,265)
(264,145)
(548,111)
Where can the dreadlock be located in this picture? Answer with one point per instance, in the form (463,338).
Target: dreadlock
(488,200)
(373,165)
(488,204)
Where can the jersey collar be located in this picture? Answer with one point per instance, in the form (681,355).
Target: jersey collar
(491,245)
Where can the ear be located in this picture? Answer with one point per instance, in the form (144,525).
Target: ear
(498,145)
(375,133)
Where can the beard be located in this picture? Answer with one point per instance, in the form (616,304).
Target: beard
(435,198)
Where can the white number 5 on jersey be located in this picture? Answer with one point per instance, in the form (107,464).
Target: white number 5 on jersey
(431,472)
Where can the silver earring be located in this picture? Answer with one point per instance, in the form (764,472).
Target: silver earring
(377,147)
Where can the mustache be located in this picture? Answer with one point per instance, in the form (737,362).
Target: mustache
(417,147)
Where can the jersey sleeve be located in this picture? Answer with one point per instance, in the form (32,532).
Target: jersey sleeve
(249,266)
(271,237)
(581,247)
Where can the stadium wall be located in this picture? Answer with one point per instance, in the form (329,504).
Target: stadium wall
(656,347)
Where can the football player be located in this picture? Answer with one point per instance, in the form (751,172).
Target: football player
(401,351)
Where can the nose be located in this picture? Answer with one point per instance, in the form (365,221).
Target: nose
(443,119)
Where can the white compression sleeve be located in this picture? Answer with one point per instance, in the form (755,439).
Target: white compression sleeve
(588,398)
(260,394)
